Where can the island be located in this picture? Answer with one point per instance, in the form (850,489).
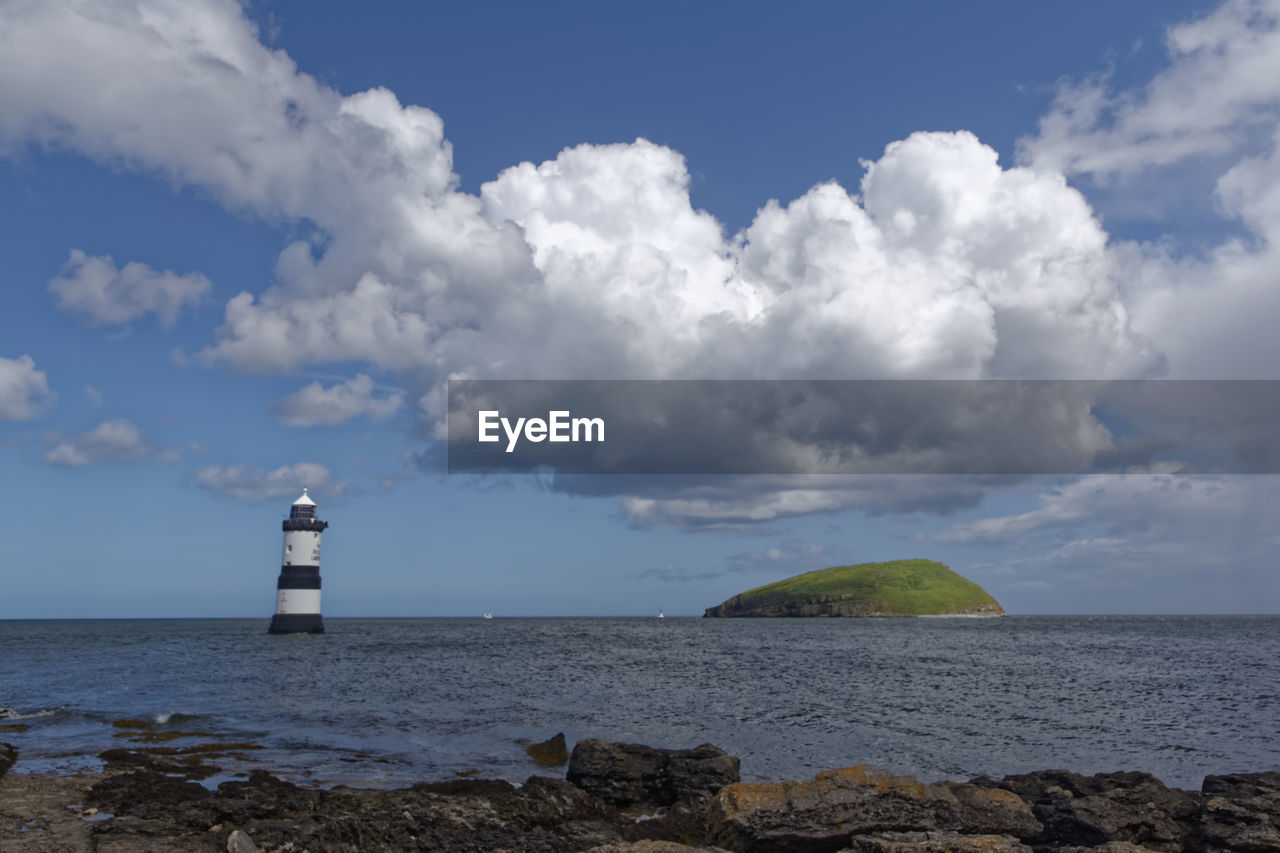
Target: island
(895,588)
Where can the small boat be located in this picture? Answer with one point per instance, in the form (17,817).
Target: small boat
(661,615)
(488,615)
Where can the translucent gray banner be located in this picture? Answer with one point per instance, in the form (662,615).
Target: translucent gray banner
(1019,427)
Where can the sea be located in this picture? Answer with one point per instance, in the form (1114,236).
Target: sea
(386,702)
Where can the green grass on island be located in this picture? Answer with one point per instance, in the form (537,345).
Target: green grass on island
(896,588)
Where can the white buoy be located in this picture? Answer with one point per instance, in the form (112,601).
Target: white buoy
(298,590)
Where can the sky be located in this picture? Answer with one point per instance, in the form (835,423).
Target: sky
(245,246)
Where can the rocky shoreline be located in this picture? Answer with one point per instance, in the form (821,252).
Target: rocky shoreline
(618,797)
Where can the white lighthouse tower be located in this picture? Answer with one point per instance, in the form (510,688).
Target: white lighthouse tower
(298,590)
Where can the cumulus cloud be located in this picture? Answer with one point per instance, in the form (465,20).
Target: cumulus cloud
(116,440)
(873,426)
(251,485)
(315,404)
(24,391)
(93,288)
(940,264)
(592,264)
(1219,93)
(730,503)
(1215,108)
(948,266)
(237,117)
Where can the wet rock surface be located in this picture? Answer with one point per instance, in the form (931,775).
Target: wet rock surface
(668,789)
(630,774)
(654,847)
(8,755)
(549,753)
(1091,810)
(1241,812)
(827,812)
(936,842)
(629,798)
(154,810)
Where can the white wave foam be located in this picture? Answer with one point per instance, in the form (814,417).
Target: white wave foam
(10,714)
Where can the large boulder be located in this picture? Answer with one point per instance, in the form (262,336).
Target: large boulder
(549,753)
(827,812)
(1088,811)
(1241,812)
(631,774)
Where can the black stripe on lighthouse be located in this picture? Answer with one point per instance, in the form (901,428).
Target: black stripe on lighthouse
(296,623)
(299,577)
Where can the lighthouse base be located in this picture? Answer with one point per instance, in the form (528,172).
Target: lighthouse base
(296,623)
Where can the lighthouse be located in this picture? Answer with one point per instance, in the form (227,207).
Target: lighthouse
(298,590)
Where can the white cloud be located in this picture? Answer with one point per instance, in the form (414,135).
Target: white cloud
(24,391)
(315,404)
(671,573)
(1118,501)
(254,484)
(116,440)
(1133,541)
(787,559)
(93,395)
(739,503)
(596,264)
(189,90)
(102,294)
(948,266)
(1222,83)
(1215,107)
(592,264)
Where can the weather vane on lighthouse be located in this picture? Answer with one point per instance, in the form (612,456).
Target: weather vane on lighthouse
(298,590)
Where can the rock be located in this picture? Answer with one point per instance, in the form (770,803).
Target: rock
(240,842)
(688,798)
(1241,812)
(936,842)
(827,812)
(1109,847)
(543,815)
(8,755)
(145,793)
(163,760)
(549,753)
(630,774)
(648,846)
(1088,811)
(261,796)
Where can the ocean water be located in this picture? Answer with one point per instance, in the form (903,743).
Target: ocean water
(384,702)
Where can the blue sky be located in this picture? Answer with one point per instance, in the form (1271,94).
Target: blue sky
(245,245)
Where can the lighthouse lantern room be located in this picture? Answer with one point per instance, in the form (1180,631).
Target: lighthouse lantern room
(298,590)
